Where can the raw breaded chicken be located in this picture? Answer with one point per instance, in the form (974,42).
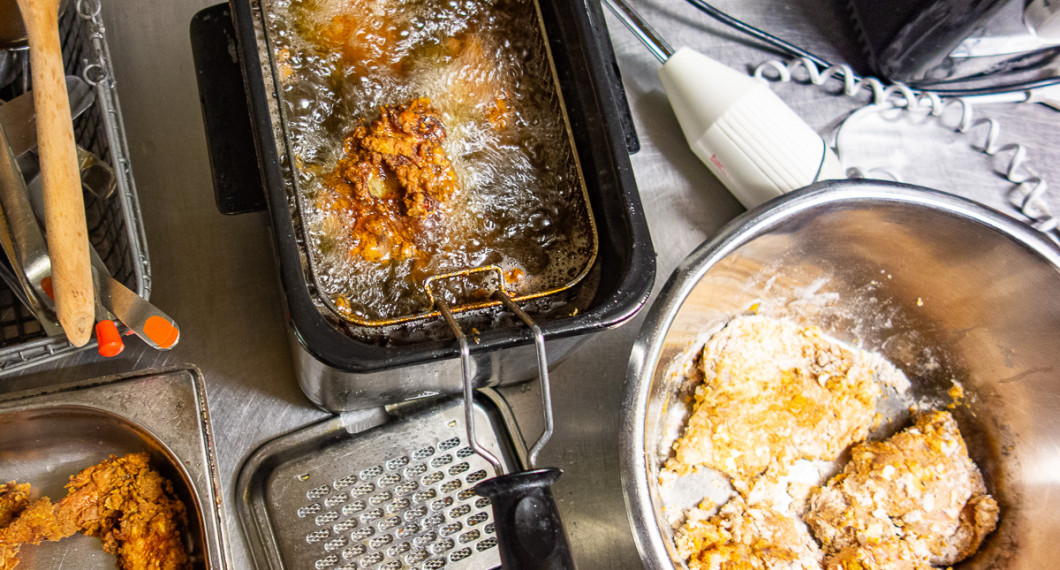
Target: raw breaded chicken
(774,391)
(917,496)
(754,537)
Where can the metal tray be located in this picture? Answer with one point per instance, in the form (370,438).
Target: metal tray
(370,490)
(50,434)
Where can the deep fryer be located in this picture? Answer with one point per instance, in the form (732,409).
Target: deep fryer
(341,372)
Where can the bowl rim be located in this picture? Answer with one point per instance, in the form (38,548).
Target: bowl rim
(644,356)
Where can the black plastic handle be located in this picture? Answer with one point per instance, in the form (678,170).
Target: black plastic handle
(237,180)
(529,530)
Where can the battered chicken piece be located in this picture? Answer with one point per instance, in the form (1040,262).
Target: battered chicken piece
(121,501)
(890,554)
(774,391)
(393,174)
(13,500)
(743,537)
(917,495)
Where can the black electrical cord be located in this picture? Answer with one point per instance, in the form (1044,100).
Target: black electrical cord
(796,51)
(770,39)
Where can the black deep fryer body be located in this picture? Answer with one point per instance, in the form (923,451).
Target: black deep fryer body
(604,137)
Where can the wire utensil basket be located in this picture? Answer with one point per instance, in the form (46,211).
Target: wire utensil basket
(115,224)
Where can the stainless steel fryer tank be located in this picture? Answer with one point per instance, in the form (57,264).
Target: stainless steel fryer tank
(339,371)
(944,288)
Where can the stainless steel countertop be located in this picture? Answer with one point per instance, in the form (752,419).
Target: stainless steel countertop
(217,276)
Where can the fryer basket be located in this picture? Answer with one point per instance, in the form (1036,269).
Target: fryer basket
(578,215)
(115,225)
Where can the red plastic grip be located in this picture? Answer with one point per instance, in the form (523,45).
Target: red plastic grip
(109,339)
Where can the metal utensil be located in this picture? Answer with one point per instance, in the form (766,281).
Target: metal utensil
(12,42)
(19,117)
(64,206)
(942,287)
(149,323)
(23,241)
(529,529)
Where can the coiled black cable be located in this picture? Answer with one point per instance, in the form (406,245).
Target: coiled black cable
(796,51)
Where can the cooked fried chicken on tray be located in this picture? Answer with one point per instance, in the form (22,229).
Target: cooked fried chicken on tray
(122,501)
(13,499)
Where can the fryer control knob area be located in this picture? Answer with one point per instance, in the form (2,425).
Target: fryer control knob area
(529,530)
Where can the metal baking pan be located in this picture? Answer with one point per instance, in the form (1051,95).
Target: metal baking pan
(49,434)
(370,489)
(338,370)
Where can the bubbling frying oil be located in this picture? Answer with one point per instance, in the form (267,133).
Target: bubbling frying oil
(519,204)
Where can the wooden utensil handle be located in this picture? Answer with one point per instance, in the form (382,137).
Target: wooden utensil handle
(64,208)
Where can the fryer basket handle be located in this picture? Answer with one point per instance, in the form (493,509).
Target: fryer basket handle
(529,531)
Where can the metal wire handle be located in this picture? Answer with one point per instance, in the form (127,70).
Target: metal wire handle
(469,389)
(1029,184)
(542,367)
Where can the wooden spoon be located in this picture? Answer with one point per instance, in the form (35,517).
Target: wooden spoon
(64,207)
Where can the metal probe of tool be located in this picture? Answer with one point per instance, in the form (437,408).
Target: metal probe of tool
(750,139)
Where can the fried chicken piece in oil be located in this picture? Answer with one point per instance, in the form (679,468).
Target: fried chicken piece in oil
(393,174)
(121,501)
(366,35)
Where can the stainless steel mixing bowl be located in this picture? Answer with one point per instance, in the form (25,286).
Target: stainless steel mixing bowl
(944,288)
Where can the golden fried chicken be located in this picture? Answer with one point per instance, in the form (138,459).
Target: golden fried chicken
(394,172)
(917,496)
(121,501)
(13,499)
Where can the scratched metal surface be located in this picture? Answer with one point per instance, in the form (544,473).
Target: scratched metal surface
(216,275)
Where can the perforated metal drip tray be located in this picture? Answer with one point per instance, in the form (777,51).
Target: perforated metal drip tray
(373,490)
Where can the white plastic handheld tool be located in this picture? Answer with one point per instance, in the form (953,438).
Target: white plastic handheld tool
(746,135)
